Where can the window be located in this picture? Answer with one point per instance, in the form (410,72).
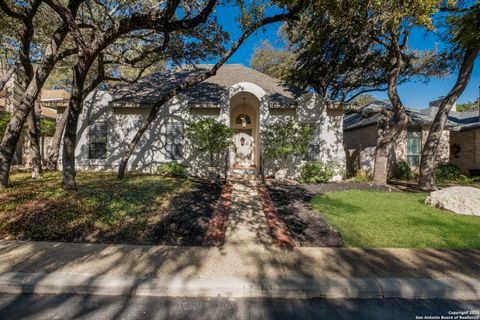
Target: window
(314,145)
(414,148)
(174,141)
(97,135)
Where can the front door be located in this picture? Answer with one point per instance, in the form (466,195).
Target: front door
(244,146)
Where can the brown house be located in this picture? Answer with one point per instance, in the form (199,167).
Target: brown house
(360,139)
(465,141)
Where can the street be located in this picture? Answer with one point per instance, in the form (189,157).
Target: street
(49,307)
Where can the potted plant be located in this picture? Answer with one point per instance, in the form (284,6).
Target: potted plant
(211,137)
(285,139)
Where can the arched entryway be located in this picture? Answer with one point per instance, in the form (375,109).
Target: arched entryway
(244,118)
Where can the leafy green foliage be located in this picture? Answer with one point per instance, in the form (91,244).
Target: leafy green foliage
(284,139)
(448,172)
(47,127)
(211,137)
(4,119)
(173,169)
(378,219)
(468,106)
(363,99)
(403,171)
(275,62)
(317,172)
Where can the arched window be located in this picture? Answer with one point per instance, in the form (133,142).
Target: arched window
(239,119)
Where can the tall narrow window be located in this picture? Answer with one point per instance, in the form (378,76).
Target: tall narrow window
(414,148)
(174,140)
(97,138)
(314,145)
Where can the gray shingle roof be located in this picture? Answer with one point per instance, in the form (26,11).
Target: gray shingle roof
(148,89)
(359,119)
(465,120)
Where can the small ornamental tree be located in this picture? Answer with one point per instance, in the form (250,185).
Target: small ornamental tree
(285,139)
(211,137)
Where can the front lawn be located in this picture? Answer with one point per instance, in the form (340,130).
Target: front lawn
(379,219)
(140,209)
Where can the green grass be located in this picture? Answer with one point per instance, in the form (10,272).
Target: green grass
(103,209)
(376,219)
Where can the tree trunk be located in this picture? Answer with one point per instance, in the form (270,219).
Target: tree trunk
(54,152)
(7,77)
(14,127)
(380,172)
(391,131)
(20,114)
(429,152)
(73,112)
(34,142)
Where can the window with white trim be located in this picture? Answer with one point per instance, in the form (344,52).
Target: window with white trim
(414,148)
(174,140)
(97,140)
(314,145)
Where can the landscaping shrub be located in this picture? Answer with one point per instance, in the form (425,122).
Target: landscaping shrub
(317,172)
(447,172)
(361,176)
(403,171)
(173,169)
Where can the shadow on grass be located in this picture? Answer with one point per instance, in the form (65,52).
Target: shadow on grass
(142,209)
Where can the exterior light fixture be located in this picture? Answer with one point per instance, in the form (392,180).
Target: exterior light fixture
(244,118)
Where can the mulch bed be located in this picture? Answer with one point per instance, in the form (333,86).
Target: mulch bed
(307,227)
(187,221)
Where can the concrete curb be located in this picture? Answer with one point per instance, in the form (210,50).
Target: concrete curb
(300,288)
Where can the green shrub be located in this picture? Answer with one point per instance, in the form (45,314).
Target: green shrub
(447,172)
(403,171)
(317,172)
(361,176)
(173,169)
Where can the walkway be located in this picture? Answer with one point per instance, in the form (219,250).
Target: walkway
(247,225)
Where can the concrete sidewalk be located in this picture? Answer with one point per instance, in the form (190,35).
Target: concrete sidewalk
(257,271)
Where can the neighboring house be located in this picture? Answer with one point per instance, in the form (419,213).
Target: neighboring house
(110,120)
(465,141)
(47,104)
(360,138)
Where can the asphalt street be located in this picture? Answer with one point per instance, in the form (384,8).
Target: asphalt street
(27,306)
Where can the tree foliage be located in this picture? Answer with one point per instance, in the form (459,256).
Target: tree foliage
(275,62)
(211,137)
(285,139)
(468,106)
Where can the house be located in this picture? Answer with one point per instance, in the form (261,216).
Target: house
(360,138)
(46,105)
(111,118)
(465,141)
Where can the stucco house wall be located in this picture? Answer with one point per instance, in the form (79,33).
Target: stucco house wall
(122,121)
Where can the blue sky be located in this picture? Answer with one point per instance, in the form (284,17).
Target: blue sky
(413,94)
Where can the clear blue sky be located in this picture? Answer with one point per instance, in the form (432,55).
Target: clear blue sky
(413,94)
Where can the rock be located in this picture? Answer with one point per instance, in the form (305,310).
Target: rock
(461,200)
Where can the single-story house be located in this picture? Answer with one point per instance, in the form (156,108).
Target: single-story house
(361,132)
(111,118)
(465,141)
